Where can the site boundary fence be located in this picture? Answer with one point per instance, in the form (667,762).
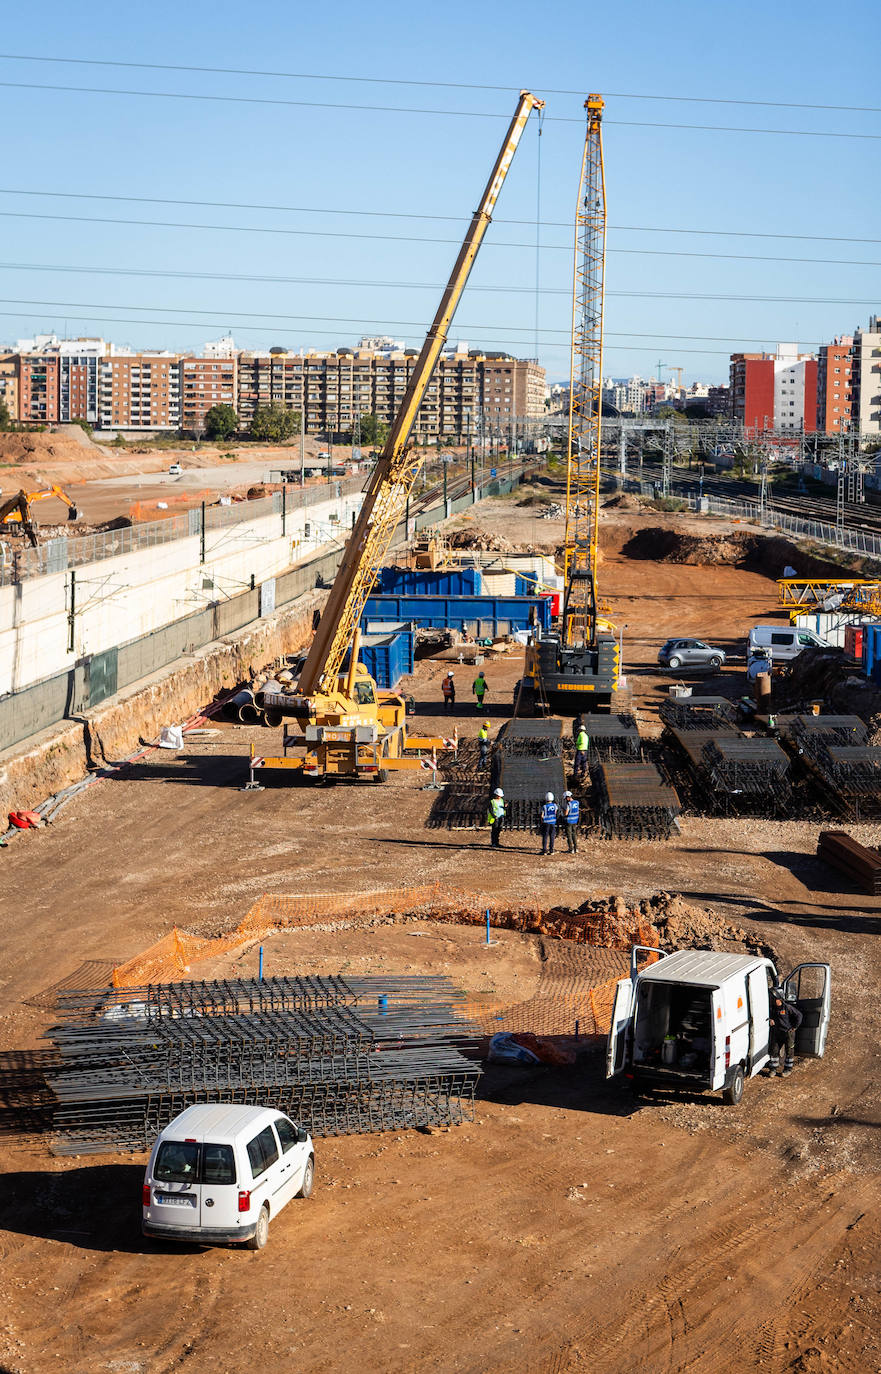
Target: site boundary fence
(843,537)
(576,999)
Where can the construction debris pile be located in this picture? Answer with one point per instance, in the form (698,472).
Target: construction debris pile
(338,1055)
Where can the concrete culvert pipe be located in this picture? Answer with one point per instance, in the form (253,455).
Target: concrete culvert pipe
(249,714)
(242,698)
(272,718)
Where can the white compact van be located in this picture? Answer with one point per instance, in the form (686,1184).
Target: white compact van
(218,1173)
(784,642)
(700,1020)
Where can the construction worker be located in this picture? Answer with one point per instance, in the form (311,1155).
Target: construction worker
(496,817)
(548,824)
(581,746)
(570,815)
(448,687)
(483,741)
(480,687)
(785,1021)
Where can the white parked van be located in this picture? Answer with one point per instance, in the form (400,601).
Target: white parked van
(219,1172)
(700,1020)
(784,642)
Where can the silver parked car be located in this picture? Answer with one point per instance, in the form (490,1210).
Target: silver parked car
(689,653)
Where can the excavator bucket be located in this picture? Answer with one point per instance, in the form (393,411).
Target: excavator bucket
(72,513)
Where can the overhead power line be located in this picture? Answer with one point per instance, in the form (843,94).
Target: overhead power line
(436,85)
(455,219)
(419,110)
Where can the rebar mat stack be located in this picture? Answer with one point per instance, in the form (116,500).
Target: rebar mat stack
(634,801)
(835,752)
(697,713)
(527,764)
(339,1056)
(861,865)
(613,737)
(748,770)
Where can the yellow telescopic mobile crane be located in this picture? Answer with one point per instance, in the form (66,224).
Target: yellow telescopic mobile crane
(575,667)
(349,728)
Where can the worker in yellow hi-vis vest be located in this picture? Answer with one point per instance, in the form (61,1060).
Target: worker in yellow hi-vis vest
(582,743)
(495,817)
(483,741)
(480,687)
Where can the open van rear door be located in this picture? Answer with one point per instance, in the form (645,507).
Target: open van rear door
(618,1049)
(809,986)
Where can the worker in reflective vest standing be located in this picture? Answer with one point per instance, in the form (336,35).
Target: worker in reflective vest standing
(448,687)
(570,815)
(581,746)
(483,741)
(548,824)
(480,687)
(495,817)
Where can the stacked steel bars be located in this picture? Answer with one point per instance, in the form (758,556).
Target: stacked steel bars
(861,865)
(339,1056)
(834,750)
(528,763)
(742,768)
(634,802)
(697,713)
(613,737)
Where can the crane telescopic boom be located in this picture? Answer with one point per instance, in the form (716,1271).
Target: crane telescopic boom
(396,469)
(581,537)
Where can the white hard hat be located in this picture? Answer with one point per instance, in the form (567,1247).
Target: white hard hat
(549,797)
(450,673)
(498,792)
(567,794)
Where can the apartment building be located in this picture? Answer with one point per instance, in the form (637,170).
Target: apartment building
(835,386)
(866,387)
(139,391)
(78,378)
(204,382)
(9,383)
(38,388)
(774,391)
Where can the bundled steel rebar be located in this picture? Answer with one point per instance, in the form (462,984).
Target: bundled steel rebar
(634,801)
(460,806)
(357,1054)
(612,737)
(748,768)
(697,713)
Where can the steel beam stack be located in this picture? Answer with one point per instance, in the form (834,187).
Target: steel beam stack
(337,1055)
(634,802)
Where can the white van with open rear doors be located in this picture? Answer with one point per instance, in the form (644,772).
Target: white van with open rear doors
(219,1172)
(700,1020)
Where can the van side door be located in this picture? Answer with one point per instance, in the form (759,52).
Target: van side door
(293,1157)
(759,1017)
(810,985)
(263,1156)
(619,1048)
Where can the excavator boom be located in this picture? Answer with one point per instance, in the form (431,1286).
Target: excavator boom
(392,478)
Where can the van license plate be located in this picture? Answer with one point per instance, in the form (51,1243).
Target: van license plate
(176,1199)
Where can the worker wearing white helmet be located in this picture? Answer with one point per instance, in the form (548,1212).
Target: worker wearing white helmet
(495,817)
(548,824)
(570,815)
(448,687)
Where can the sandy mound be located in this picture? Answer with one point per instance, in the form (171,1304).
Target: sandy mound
(624,501)
(754,552)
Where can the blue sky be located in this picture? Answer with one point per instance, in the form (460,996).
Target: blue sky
(336,172)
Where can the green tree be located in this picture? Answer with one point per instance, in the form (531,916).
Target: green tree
(4,415)
(373,430)
(83,424)
(275,422)
(221,422)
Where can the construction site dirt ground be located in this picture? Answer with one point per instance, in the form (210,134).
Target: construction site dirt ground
(571,1226)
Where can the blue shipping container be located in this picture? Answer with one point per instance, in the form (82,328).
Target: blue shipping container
(387,658)
(872,652)
(430,582)
(481,616)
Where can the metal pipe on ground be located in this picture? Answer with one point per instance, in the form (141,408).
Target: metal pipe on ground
(249,714)
(273,719)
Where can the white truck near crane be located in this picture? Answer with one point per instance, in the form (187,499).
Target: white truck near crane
(346,727)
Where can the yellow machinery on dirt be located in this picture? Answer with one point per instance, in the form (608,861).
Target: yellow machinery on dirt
(575,667)
(16,511)
(348,727)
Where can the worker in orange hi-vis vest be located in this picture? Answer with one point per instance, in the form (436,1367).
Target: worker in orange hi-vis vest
(448,687)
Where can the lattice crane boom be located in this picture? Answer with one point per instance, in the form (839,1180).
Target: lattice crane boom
(581,539)
(397,467)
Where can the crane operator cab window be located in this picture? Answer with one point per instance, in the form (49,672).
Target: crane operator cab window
(364,694)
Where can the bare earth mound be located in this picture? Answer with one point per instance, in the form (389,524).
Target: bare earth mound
(753,552)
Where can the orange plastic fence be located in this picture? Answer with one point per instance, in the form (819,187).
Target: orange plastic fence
(173,957)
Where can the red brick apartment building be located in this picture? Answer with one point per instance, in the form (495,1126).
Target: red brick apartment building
(38,388)
(205,382)
(140,391)
(834,386)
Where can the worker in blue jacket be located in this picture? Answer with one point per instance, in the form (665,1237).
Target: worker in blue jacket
(570,814)
(548,824)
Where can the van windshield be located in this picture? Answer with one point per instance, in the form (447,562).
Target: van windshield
(185,1161)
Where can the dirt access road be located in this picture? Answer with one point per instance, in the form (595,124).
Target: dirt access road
(570,1227)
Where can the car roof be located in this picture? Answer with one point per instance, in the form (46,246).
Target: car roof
(218,1121)
(700,967)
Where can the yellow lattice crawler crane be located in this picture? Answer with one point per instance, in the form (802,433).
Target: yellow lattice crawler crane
(348,728)
(575,668)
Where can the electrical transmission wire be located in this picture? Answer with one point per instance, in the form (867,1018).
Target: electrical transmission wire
(437,85)
(418,110)
(457,219)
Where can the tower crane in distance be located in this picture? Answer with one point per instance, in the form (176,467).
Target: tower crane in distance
(349,728)
(575,666)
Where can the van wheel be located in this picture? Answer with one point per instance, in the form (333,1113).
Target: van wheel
(734,1092)
(308,1179)
(261,1235)
(675,663)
